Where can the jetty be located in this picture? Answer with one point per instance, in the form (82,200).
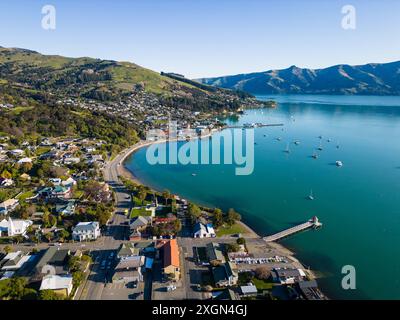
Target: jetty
(255,125)
(310,224)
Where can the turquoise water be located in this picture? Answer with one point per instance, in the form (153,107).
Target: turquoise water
(358,203)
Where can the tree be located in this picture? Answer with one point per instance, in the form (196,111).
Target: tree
(74,264)
(262,273)
(16,288)
(7,249)
(26,167)
(194,212)
(18,239)
(6,175)
(49,236)
(92,189)
(232,247)
(49,295)
(141,194)
(46,219)
(63,234)
(232,217)
(177,226)
(218,218)
(241,241)
(77,278)
(166,194)
(52,221)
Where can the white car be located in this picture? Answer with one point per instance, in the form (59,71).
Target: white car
(171,288)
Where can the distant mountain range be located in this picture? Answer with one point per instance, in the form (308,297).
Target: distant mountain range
(369,79)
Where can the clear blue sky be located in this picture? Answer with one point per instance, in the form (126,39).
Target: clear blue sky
(201,38)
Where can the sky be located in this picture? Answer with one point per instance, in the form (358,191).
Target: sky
(204,38)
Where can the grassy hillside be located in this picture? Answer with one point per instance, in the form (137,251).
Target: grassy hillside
(37,71)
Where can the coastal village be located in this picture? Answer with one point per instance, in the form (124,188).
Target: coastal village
(74,225)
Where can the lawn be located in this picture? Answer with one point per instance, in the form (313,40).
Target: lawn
(138,203)
(26,195)
(229,230)
(262,284)
(41,150)
(139,212)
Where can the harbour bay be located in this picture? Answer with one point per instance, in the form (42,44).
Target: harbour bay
(358,203)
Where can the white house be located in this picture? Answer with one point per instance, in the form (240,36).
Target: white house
(14,227)
(17,152)
(59,284)
(86,231)
(69,182)
(6,182)
(203,230)
(24,160)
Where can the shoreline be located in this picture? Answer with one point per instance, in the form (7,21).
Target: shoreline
(250,233)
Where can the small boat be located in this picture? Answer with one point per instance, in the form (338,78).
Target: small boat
(265,135)
(311,196)
(339,163)
(320,137)
(297,142)
(329,140)
(279,138)
(315,156)
(320,147)
(193,174)
(287,150)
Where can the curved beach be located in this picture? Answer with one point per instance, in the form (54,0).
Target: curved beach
(118,163)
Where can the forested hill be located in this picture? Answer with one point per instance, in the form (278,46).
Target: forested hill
(369,79)
(102,80)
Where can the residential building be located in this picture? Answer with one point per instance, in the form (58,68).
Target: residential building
(287,276)
(215,253)
(227,294)
(127,250)
(61,192)
(249,290)
(309,290)
(6,182)
(225,275)
(66,208)
(203,230)
(171,260)
(24,160)
(60,285)
(11,228)
(52,260)
(15,261)
(8,206)
(86,231)
(129,269)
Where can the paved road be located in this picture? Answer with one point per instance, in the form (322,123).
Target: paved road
(116,234)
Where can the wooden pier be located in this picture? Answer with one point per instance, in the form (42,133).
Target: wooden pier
(257,126)
(310,224)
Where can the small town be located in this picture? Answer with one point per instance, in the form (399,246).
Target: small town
(74,226)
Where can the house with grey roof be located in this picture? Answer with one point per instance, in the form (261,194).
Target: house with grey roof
(215,253)
(139,223)
(225,275)
(127,250)
(86,231)
(287,275)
